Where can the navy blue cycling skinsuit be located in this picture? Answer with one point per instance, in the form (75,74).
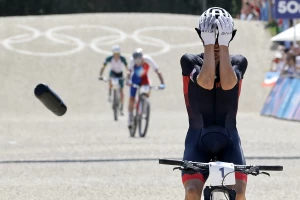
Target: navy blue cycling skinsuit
(212,116)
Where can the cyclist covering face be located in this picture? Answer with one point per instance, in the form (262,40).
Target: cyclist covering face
(212,83)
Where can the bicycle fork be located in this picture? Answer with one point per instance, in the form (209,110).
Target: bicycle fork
(141,105)
(210,191)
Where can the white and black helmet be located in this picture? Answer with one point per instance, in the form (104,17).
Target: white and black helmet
(216,12)
(138,53)
(116,49)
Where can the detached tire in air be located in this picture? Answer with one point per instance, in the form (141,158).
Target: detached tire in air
(50,99)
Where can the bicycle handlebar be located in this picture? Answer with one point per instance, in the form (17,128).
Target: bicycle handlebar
(151,87)
(271,167)
(171,162)
(107,79)
(206,165)
(133,85)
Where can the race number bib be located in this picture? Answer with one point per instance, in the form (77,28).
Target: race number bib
(217,172)
(145,89)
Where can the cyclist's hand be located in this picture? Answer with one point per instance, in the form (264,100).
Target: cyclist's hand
(206,30)
(162,86)
(128,83)
(226,32)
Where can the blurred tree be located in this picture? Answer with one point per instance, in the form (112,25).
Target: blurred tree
(235,7)
(38,7)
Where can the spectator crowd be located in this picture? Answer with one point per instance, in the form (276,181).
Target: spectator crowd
(287,61)
(287,56)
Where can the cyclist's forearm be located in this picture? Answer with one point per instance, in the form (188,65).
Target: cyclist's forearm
(160,77)
(206,76)
(227,73)
(102,70)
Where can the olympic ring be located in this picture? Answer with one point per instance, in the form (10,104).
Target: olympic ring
(117,36)
(36,33)
(156,28)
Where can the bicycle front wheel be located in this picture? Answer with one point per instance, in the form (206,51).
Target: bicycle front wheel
(132,129)
(115,104)
(144,116)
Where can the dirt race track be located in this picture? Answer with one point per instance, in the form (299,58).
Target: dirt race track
(85,154)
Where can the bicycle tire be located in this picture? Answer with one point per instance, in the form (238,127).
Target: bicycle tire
(132,130)
(207,198)
(219,195)
(145,104)
(115,104)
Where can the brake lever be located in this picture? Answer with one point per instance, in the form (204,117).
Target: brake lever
(183,168)
(256,173)
(179,168)
(186,170)
(265,173)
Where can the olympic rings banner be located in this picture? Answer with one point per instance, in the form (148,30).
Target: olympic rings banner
(287,9)
(284,99)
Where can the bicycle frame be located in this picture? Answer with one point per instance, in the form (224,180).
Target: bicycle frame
(115,82)
(142,110)
(217,193)
(142,90)
(116,90)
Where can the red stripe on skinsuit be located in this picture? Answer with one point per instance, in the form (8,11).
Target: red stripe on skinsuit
(241,176)
(198,176)
(186,80)
(186,177)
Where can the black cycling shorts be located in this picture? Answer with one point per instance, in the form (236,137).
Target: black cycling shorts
(195,151)
(118,75)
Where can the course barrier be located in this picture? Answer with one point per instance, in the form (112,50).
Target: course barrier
(284,99)
(270,79)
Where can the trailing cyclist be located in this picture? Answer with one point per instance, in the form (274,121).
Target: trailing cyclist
(117,65)
(212,84)
(138,74)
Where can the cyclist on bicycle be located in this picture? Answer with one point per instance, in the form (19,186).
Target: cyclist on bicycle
(212,84)
(117,63)
(138,74)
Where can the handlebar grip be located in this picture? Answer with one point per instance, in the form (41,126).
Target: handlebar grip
(271,168)
(171,162)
